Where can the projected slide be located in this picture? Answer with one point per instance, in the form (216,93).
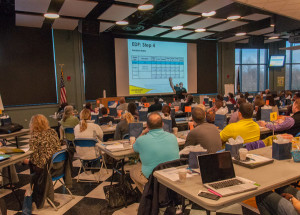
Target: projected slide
(152,63)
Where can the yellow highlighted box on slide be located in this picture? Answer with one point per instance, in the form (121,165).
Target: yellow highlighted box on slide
(137,90)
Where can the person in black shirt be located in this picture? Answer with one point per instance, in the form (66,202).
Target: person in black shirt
(105,119)
(156,106)
(179,90)
(296,111)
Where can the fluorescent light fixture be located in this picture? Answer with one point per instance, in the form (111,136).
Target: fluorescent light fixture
(211,13)
(51,15)
(122,22)
(178,27)
(145,7)
(240,34)
(233,17)
(200,30)
(273,38)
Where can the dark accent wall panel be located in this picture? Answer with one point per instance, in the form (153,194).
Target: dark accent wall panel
(207,72)
(27,74)
(99,61)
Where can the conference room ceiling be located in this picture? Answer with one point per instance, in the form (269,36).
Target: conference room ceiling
(153,23)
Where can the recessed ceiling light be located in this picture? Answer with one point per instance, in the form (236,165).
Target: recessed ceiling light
(122,22)
(233,17)
(146,7)
(240,34)
(272,38)
(179,27)
(272,25)
(200,30)
(211,13)
(51,15)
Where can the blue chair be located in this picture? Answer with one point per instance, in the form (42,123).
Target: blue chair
(226,99)
(69,141)
(230,107)
(220,121)
(250,100)
(95,118)
(167,125)
(6,121)
(113,112)
(135,129)
(91,144)
(125,137)
(297,135)
(61,156)
(143,116)
(206,100)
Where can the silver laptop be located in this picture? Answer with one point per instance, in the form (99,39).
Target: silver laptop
(217,174)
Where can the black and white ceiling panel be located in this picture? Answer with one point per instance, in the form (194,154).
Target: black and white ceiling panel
(156,23)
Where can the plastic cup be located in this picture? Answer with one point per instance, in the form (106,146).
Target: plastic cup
(243,154)
(182,175)
(110,123)
(132,140)
(175,130)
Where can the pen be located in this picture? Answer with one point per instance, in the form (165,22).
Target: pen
(213,192)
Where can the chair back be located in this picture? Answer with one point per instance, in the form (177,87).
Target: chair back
(226,99)
(69,130)
(143,116)
(173,112)
(125,137)
(85,142)
(250,100)
(6,121)
(113,112)
(135,129)
(230,107)
(167,125)
(60,156)
(206,100)
(220,121)
(95,118)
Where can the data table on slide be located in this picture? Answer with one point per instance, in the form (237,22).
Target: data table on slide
(157,67)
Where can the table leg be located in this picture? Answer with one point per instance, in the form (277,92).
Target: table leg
(12,187)
(17,144)
(113,172)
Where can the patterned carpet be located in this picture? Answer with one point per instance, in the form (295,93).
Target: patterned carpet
(89,196)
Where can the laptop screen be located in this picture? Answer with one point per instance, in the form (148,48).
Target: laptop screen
(216,167)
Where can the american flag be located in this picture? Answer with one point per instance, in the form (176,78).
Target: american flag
(63,94)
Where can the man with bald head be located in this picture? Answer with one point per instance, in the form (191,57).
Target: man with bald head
(155,147)
(204,134)
(123,105)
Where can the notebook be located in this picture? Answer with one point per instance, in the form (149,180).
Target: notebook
(218,174)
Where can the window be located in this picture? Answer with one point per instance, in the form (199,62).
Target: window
(292,68)
(252,67)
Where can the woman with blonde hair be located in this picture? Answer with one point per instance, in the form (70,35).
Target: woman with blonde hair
(68,121)
(87,128)
(44,142)
(123,126)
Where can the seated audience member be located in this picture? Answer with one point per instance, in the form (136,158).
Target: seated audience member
(246,96)
(132,109)
(283,123)
(123,105)
(89,106)
(69,121)
(87,128)
(105,119)
(231,98)
(258,103)
(267,92)
(155,146)
(189,102)
(176,101)
(290,107)
(235,116)
(296,116)
(245,127)
(210,116)
(166,114)
(156,106)
(220,97)
(284,201)
(123,126)
(44,143)
(205,134)
(288,94)
(202,106)
(143,101)
(271,100)
(218,107)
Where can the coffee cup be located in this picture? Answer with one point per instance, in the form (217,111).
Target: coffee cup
(175,130)
(243,154)
(182,175)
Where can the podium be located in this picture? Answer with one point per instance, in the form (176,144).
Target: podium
(105,101)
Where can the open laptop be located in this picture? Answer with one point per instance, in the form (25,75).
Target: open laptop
(218,175)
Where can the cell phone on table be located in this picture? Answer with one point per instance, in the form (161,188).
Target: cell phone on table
(208,195)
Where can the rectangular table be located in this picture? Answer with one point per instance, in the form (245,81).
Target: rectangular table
(270,177)
(16,134)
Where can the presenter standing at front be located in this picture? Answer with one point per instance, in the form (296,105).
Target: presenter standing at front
(179,90)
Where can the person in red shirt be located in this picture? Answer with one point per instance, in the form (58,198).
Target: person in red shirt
(231,98)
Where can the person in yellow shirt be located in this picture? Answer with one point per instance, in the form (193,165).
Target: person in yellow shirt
(246,127)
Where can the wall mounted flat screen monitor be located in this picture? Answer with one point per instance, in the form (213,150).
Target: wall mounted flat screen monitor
(277,60)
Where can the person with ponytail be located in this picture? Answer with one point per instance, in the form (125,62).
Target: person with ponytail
(68,121)
(87,129)
(123,126)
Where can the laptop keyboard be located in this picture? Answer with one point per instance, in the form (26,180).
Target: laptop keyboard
(227,183)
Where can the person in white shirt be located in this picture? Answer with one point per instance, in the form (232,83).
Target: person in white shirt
(87,129)
(123,105)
